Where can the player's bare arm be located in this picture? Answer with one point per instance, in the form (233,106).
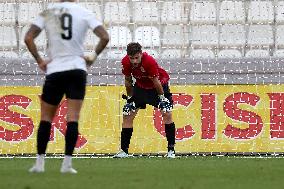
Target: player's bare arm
(128,85)
(32,33)
(157,85)
(104,39)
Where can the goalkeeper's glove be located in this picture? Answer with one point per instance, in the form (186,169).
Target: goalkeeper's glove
(164,104)
(129,106)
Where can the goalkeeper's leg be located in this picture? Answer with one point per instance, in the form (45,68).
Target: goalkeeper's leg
(126,134)
(170,133)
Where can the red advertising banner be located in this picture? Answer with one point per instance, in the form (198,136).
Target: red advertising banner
(213,118)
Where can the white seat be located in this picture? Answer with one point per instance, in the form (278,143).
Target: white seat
(279,53)
(7,13)
(257,53)
(29,11)
(260,12)
(174,12)
(232,12)
(8,37)
(40,41)
(280,12)
(176,35)
(279,39)
(94,7)
(115,54)
(147,36)
(229,53)
(201,54)
(91,40)
(203,12)
(260,35)
(116,12)
(120,36)
(204,35)
(232,35)
(171,53)
(8,54)
(145,12)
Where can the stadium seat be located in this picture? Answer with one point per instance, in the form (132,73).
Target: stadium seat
(7,13)
(232,12)
(174,12)
(147,36)
(40,41)
(279,39)
(203,12)
(8,38)
(94,7)
(279,53)
(29,11)
(260,12)
(201,54)
(232,35)
(280,12)
(229,53)
(145,12)
(120,36)
(257,53)
(171,53)
(260,35)
(176,35)
(91,40)
(116,12)
(204,35)
(8,54)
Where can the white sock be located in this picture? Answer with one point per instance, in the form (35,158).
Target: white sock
(40,160)
(67,161)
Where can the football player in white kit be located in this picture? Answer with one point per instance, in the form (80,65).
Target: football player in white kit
(66,24)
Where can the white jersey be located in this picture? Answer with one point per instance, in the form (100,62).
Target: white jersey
(66,25)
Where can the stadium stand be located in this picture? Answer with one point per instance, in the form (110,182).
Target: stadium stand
(145,12)
(120,36)
(116,12)
(177,27)
(147,36)
(232,12)
(174,12)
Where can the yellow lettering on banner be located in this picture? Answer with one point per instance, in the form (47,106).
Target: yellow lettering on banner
(209,118)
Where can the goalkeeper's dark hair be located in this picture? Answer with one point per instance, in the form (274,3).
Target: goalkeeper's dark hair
(133,48)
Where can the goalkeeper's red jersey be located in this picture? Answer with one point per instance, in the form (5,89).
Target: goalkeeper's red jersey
(148,68)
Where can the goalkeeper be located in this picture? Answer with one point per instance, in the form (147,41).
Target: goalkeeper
(151,87)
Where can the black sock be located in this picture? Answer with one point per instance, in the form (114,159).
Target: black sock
(43,135)
(171,135)
(71,137)
(126,135)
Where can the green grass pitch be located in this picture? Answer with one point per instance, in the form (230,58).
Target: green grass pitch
(195,172)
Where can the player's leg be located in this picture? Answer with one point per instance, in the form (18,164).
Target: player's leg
(152,98)
(75,93)
(71,136)
(170,133)
(51,97)
(126,134)
(170,129)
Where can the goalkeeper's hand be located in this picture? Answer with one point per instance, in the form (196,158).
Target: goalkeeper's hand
(164,104)
(129,105)
(90,58)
